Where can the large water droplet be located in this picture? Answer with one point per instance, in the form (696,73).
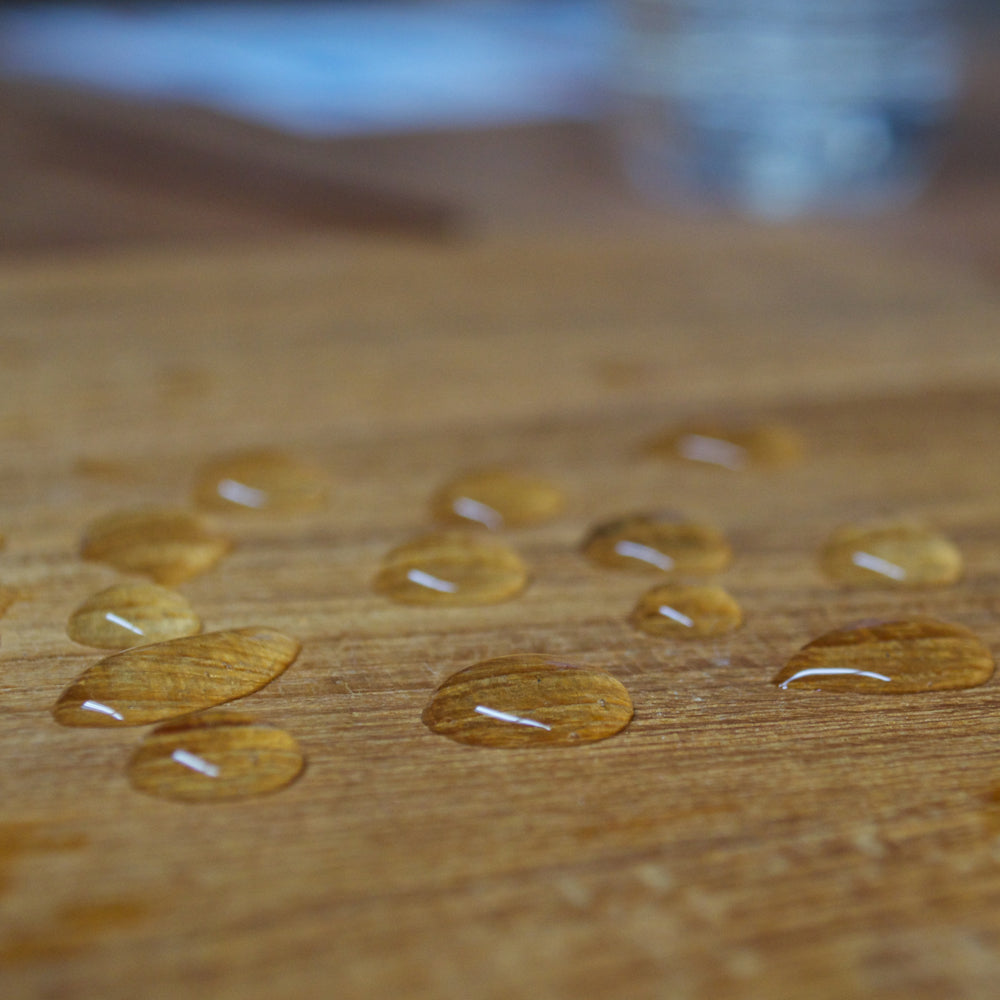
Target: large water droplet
(151,683)
(213,756)
(130,614)
(528,700)
(658,542)
(262,480)
(734,447)
(168,545)
(894,657)
(901,554)
(691,612)
(497,499)
(452,568)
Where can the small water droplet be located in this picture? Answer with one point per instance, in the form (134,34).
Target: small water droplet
(212,756)
(262,480)
(901,554)
(162,681)
(128,614)
(687,611)
(8,595)
(528,700)
(168,545)
(734,447)
(452,568)
(894,657)
(658,542)
(497,499)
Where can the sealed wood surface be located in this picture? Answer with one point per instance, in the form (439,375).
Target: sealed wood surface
(735,840)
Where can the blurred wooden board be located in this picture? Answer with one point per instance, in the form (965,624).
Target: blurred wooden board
(735,841)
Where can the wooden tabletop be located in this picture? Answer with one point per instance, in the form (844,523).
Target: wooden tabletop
(735,840)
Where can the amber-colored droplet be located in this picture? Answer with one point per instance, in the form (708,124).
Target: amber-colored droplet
(452,568)
(895,657)
(891,555)
(688,612)
(734,447)
(212,756)
(128,614)
(262,480)
(151,683)
(497,499)
(657,542)
(168,545)
(528,700)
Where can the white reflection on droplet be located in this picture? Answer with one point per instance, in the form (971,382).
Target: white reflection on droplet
(644,553)
(507,717)
(122,622)
(675,615)
(877,565)
(701,448)
(423,579)
(473,510)
(834,671)
(195,763)
(96,706)
(236,492)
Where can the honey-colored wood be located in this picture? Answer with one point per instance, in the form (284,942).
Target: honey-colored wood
(735,840)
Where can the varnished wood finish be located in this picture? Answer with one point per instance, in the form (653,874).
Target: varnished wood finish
(735,840)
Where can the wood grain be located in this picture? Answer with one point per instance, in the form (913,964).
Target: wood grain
(735,840)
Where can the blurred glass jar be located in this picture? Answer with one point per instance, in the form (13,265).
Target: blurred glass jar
(785,107)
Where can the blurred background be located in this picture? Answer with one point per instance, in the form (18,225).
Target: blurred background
(137,122)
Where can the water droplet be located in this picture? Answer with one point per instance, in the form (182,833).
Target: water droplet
(658,542)
(262,480)
(733,447)
(128,614)
(528,700)
(452,568)
(895,657)
(162,681)
(891,555)
(213,756)
(497,499)
(687,611)
(168,545)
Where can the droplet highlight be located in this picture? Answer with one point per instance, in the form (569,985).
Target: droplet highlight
(732,447)
(658,542)
(496,498)
(528,700)
(167,545)
(894,657)
(452,568)
(132,614)
(902,554)
(262,481)
(215,756)
(687,612)
(168,679)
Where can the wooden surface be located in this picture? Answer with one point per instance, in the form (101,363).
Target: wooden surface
(734,841)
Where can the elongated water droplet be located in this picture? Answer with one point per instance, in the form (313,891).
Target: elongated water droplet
(895,657)
(902,554)
(658,542)
(497,499)
(528,700)
(452,568)
(734,447)
(690,612)
(168,545)
(151,683)
(213,756)
(264,481)
(132,614)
